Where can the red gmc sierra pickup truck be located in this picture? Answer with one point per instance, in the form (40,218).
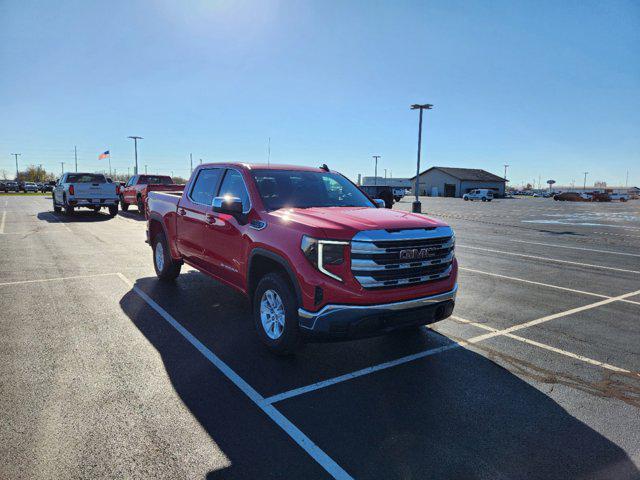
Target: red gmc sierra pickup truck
(315,255)
(138,187)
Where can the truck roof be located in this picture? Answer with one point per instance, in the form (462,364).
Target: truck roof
(264,166)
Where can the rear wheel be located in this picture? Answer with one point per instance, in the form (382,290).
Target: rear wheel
(123,205)
(275,313)
(113,210)
(68,209)
(140,206)
(56,208)
(167,268)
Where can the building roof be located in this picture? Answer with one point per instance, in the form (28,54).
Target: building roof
(473,174)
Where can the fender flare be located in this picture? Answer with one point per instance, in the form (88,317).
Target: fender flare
(283,262)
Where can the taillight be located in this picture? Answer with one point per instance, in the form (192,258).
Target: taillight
(72,191)
(117,189)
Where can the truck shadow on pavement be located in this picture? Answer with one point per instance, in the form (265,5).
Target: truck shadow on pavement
(134,215)
(452,415)
(79,216)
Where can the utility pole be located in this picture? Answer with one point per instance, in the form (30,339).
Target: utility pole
(75,154)
(135,146)
(17,172)
(626,182)
(38,174)
(61,168)
(269,152)
(375,175)
(191,161)
(145,169)
(417,206)
(385,174)
(128,172)
(505,172)
(584,185)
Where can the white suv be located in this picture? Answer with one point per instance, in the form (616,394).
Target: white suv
(483,194)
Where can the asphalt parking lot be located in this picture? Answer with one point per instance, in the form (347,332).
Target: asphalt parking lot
(105,372)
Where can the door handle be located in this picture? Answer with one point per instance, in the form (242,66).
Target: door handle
(182,212)
(211,219)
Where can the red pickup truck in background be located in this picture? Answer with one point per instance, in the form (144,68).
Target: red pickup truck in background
(138,187)
(315,255)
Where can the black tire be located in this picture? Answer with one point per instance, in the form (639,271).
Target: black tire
(170,268)
(140,206)
(123,205)
(56,208)
(95,209)
(290,339)
(113,210)
(68,209)
(484,199)
(466,199)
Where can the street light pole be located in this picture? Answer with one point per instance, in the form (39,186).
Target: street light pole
(75,154)
(135,146)
(375,174)
(17,171)
(584,185)
(417,207)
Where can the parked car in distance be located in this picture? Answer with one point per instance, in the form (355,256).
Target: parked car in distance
(138,187)
(399,193)
(621,197)
(482,194)
(29,187)
(308,248)
(569,197)
(87,190)
(11,187)
(48,186)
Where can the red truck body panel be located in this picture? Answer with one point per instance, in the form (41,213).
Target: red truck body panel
(222,246)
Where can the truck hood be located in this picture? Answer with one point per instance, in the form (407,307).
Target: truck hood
(344,222)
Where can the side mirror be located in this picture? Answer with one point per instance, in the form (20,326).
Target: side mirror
(379,203)
(229,205)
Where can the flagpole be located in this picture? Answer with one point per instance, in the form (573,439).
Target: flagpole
(109,163)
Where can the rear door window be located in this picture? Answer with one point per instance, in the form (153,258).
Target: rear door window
(205,186)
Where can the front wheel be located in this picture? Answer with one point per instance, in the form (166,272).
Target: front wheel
(484,199)
(123,205)
(466,199)
(167,268)
(275,313)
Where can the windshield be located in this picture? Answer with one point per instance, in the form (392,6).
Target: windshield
(302,189)
(155,180)
(86,178)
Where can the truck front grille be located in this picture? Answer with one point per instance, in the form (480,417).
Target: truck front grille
(394,258)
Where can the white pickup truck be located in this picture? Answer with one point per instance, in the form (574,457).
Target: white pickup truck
(88,190)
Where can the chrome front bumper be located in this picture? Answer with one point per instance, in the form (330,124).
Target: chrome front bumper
(346,319)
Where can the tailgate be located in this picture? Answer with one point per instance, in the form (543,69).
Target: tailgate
(99,191)
(158,187)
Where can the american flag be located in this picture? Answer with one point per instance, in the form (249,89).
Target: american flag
(104,155)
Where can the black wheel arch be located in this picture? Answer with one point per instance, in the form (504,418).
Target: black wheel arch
(262,261)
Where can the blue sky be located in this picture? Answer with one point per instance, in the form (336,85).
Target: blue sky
(551,88)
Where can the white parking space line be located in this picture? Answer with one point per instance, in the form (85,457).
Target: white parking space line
(359,373)
(2,220)
(409,358)
(548,285)
(555,245)
(547,347)
(548,318)
(289,428)
(40,280)
(546,259)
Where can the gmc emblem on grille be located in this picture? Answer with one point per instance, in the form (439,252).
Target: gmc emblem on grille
(416,253)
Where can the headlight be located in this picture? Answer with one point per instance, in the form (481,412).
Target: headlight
(323,252)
